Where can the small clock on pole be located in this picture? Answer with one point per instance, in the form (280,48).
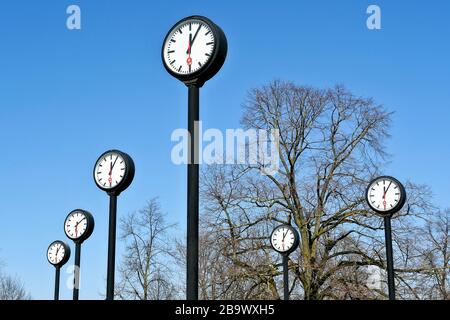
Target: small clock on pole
(113,173)
(78,227)
(58,253)
(193,51)
(285,240)
(386,196)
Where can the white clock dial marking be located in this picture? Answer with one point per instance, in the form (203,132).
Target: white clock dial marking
(283,239)
(56,253)
(75,225)
(110,170)
(189,47)
(384,194)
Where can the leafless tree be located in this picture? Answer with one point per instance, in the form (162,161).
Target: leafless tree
(431,257)
(12,288)
(145,272)
(331,145)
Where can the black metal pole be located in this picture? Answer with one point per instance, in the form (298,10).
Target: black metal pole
(76,278)
(57,273)
(285,277)
(111,247)
(192,195)
(389,257)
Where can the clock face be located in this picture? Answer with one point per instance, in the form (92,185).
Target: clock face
(189,47)
(110,170)
(283,239)
(56,253)
(385,195)
(76,225)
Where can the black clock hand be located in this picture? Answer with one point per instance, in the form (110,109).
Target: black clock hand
(388,188)
(80,221)
(190,44)
(193,39)
(114,163)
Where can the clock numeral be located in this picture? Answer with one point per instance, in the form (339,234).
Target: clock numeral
(209,43)
(171,51)
(209,31)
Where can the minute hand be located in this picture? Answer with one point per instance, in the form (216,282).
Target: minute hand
(388,188)
(193,39)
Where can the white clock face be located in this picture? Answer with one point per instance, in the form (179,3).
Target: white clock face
(56,253)
(189,47)
(283,239)
(384,194)
(110,170)
(76,225)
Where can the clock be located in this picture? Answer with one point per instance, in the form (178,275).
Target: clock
(58,253)
(385,195)
(284,239)
(114,171)
(79,225)
(194,50)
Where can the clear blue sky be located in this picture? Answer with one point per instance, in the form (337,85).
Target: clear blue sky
(67,96)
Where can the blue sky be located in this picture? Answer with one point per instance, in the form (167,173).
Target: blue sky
(67,96)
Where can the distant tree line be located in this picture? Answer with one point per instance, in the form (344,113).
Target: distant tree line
(12,288)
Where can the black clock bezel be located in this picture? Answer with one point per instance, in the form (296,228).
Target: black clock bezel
(296,239)
(89,226)
(128,175)
(66,255)
(399,204)
(213,65)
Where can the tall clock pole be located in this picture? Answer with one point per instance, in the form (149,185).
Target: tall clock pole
(389,256)
(386,196)
(76,278)
(193,194)
(58,253)
(286,276)
(57,277)
(193,51)
(78,227)
(285,240)
(113,173)
(111,246)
